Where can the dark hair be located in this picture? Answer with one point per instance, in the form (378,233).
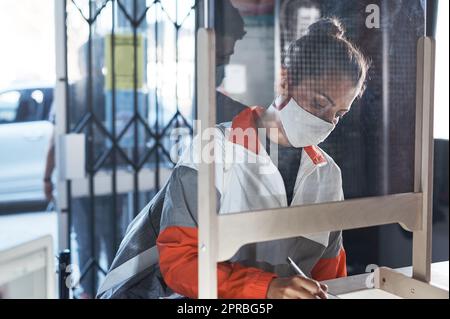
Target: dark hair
(227,20)
(324,50)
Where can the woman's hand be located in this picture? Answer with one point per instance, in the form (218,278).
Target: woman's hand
(296,287)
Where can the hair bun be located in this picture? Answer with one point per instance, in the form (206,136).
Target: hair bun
(327,27)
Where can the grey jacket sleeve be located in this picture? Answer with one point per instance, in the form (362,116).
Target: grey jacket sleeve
(180,203)
(334,245)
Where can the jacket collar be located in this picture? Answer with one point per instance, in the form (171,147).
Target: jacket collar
(246,121)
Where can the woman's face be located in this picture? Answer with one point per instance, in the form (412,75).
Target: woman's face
(328,98)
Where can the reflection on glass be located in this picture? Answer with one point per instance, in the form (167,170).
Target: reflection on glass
(340,121)
(130,84)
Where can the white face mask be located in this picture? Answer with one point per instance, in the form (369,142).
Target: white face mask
(301,127)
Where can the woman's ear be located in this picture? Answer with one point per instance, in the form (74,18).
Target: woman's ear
(282,87)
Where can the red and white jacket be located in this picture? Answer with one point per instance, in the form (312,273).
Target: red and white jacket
(248,180)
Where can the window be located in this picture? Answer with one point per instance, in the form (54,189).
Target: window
(9,102)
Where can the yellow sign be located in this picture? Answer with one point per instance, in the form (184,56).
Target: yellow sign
(124,58)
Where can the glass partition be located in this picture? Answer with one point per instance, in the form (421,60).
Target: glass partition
(320,100)
(131,84)
(318,106)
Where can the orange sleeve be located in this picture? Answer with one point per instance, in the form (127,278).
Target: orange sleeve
(178,251)
(330,268)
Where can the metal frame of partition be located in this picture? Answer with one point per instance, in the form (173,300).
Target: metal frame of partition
(220,236)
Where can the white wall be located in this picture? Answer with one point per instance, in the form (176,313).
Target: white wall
(27,42)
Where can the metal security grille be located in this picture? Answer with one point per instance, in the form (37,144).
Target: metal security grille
(130,82)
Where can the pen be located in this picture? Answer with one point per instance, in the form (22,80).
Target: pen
(302,274)
(296,268)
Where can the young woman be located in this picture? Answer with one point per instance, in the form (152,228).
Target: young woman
(323,75)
